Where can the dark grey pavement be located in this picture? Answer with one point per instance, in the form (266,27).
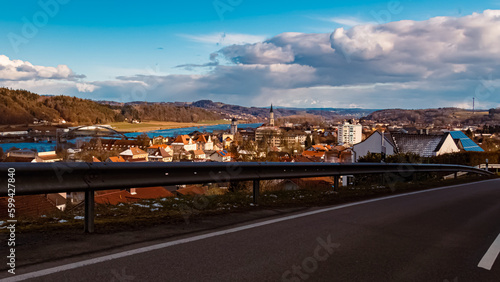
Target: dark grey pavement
(438,235)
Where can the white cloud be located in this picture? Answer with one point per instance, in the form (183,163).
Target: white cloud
(259,53)
(434,63)
(16,70)
(346,21)
(436,49)
(86,87)
(225,39)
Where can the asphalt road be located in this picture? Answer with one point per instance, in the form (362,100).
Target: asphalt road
(436,235)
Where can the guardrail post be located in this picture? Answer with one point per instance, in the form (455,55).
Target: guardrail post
(456,175)
(89,211)
(336,180)
(256,188)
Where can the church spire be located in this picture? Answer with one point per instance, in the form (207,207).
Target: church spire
(271,116)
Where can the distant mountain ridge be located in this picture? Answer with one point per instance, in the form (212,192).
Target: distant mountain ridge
(20,106)
(263,112)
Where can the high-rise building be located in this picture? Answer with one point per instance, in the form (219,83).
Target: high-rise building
(350,132)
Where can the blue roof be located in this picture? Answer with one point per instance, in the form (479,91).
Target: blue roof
(467,143)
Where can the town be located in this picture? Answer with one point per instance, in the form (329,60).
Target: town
(277,140)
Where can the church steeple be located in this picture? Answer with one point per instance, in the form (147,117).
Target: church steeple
(271,116)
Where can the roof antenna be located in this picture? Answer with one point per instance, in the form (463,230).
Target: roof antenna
(473,105)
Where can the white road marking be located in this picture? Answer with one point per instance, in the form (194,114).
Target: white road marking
(87,262)
(491,255)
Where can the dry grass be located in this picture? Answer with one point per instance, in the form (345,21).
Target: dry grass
(152,125)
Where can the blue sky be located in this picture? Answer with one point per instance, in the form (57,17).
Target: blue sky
(254,52)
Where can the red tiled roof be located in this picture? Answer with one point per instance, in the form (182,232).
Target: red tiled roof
(192,190)
(118,159)
(184,139)
(201,139)
(313,154)
(315,183)
(320,148)
(137,151)
(115,197)
(157,146)
(102,192)
(152,193)
(304,159)
(29,206)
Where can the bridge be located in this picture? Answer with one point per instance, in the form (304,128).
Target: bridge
(87,130)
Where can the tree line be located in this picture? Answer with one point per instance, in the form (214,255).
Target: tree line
(21,106)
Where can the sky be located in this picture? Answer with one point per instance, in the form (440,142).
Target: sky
(343,54)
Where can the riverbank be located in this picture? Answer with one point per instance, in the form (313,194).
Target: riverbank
(160,125)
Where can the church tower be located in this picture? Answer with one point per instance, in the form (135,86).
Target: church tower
(234,126)
(271,116)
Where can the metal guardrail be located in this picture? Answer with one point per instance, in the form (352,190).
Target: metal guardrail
(481,166)
(43,178)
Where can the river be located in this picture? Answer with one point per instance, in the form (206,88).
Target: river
(46,146)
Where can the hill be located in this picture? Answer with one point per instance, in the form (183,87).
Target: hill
(279,112)
(440,116)
(20,106)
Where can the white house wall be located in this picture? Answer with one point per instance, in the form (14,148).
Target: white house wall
(372,144)
(448,146)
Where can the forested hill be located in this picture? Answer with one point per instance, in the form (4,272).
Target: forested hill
(20,106)
(441,116)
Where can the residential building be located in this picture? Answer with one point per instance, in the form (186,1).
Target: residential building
(199,155)
(350,133)
(160,155)
(424,145)
(118,159)
(134,154)
(20,156)
(220,156)
(113,144)
(154,148)
(184,142)
(47,157)
(375,143)
(269,134)
(204,142)
(227,142)
(465,143)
